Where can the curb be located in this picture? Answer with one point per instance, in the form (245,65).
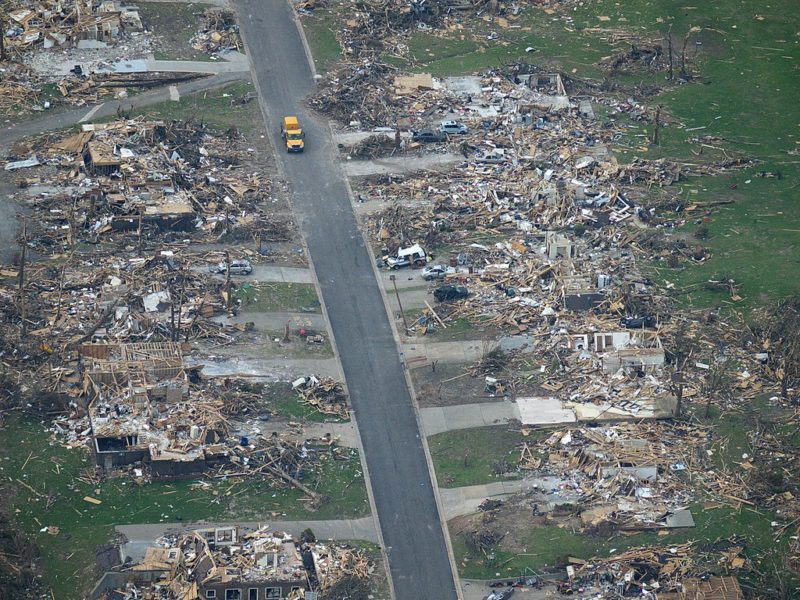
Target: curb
(414,404)
(306,47)
(279,165)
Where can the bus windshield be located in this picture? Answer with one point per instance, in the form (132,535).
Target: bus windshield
(294,136)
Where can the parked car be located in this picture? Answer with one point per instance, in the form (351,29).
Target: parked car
(453,127)
(238,267)
(428,136)
(445,293)
(413,255)
(436,272)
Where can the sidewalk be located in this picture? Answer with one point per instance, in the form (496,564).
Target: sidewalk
(59,120)
(139,537)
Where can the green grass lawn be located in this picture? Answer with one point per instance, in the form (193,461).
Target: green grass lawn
(27,456)
(174,24)
(278,297)
(320,30)
(221,109)
(548,546)
(288,404)
(475,456)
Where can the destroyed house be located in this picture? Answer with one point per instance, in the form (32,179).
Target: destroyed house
(261,565)
(643,352)
(578,293)
(173,211)
(100,158)
(713,588)
(72,22)
(547,93)
(140,410)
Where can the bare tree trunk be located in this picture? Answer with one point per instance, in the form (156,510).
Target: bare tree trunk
(656,125)
(3,55)
(684,74)
(669,49)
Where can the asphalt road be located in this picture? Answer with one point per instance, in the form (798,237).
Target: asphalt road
(418,559)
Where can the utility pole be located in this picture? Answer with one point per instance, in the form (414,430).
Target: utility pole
(393,279)
(228,279)
(21,289)
(139,232)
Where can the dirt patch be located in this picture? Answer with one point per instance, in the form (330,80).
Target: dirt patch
(449,385)
(515,518)
(174,25)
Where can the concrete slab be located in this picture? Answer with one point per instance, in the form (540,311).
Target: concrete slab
(263,369)
(234,64)
(517,343)
(544,411)
(465,500)
(276,321)
(404,278)
(465,351)
(681,518)
(353,137)
(347,433)
(437,419)
(411,298)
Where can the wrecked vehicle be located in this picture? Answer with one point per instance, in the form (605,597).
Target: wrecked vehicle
(238,267)
(428,136)
(453,127)
(446,293)
(646,322)
(496,157)
(413,255)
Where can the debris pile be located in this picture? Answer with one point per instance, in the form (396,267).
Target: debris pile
(220,34)
(73,45)
(374,146)
(629,476)
(140,181)
(203,562)
(72,23)
(325,395)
